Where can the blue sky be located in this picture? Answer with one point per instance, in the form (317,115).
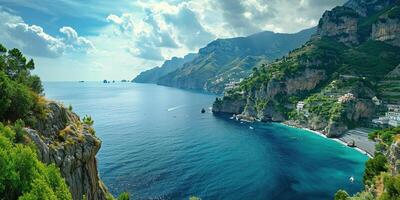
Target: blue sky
(104,39)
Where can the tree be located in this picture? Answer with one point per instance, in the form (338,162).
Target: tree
(374,167)
(341,195)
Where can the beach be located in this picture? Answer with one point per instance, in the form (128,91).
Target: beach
(359,136)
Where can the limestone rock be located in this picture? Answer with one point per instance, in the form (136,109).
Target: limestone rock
(341,23)
(368,7)
(74,152)
(394,157)
(387,30)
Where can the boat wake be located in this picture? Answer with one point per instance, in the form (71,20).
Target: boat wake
(175,108)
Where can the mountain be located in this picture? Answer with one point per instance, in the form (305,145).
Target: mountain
(152,75)
(226,60)
(333,82)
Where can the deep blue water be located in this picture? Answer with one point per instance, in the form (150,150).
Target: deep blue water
(157,145)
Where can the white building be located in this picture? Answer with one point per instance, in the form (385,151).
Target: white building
(392,116)
(300,105)
(346,98)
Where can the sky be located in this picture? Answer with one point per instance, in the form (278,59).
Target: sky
(72,40)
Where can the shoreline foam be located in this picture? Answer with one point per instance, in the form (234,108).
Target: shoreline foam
(338,140)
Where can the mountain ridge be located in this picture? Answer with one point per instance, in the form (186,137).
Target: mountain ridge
(206,72)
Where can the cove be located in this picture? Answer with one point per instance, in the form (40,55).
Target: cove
(157,145)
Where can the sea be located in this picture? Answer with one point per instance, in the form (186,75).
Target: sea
(156,144)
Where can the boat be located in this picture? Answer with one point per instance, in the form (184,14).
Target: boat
(203,110)
(250,127)
(351,179)
(351,144)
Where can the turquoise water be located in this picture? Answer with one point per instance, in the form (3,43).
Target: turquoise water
(157,145)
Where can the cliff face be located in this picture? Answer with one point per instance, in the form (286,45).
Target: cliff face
(334,74)
(64,140)
(153,75)
(228,60)
(387,29)
(341,23)
(368,7)
(393,156)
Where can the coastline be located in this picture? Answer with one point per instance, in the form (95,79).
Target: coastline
(338,140)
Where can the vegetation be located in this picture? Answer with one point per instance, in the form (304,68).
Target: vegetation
(374,167)
(384,138)
(376,174)
(341,195)
(124,196)
(88,120)
(20,92)
(22,175)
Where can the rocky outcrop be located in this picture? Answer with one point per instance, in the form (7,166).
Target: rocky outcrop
(250,106)
(387,30)
(229,105)
(368,7)
(64,140)
(340,23)
(393,156)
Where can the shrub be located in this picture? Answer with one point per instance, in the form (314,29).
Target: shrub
(374,167)
(23,176)
(341,195)
(88,120)
(124,196)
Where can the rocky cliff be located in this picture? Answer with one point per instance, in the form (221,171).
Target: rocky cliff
(334,75)
(368,7)
(229,60)
(71,145)
(387,27)
(153,75)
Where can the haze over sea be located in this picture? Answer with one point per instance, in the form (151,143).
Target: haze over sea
(157,145)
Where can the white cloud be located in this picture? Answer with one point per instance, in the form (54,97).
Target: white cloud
(33,40)
(139,34)
(114,18)
(74,41)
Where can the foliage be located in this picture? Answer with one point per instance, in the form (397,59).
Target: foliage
(17,68)
(374,167)
(88,120)
(321,105)
(341,195)
(384,138)
(124,196)
(23,176)
(19,90)
(392,188)
(19,130)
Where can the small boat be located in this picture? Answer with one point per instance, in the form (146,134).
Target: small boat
(203,110)
(351,144)
(250,127)
(351,179)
